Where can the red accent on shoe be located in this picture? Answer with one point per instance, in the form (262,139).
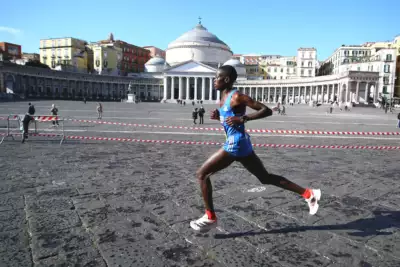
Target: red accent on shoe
(211,215)
(307,193)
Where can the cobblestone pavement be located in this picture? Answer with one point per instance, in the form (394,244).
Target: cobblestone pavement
(96,203)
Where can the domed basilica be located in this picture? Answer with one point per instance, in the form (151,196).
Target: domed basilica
(191,63)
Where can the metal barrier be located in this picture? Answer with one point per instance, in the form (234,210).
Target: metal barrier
(36,118)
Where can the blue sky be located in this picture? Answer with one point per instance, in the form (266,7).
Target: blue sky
(262,26)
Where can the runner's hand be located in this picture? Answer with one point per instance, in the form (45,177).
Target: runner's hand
(214,114)
(231,121)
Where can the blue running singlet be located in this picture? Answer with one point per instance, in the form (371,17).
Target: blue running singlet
(237,140)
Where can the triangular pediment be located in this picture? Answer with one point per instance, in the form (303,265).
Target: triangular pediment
(191,67)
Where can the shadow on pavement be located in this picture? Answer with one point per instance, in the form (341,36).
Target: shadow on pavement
(362,227)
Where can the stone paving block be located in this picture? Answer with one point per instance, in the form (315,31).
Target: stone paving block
(94,213)
(391,199)
(171,213)
(13,241)
(151,227)
(333,210)
(50,205)
(44,245)
(300,211)
(151,198)
(181,253)
(85,198)
(79,258)
(277,198)
(55,191)
(15,258)
(107,235)
(299,254)
(387,241)
(11,202)
(264,218)
(50,223)
(204,240)
(12,219)
(132,254)
(345,252)
(238,253)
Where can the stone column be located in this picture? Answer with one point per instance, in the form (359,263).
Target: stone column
(211,88)
(256,93)
(275,100)
(195,88)
(346,99)
(269,93)
(294,88)
(180,88)
(357,91)
(187,88)
(172,87)
(287,95)
(366,94)
(203,88)
(263,94)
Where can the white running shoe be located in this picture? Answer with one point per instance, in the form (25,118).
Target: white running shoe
(203,224)
(313,200)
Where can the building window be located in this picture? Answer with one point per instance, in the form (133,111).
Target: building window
(302,72)
(309,72)
(310,64)
(358,68)
(384,90)
(302,64)
(386,80)
(372,68)
(274,77)
(388,57)
(269,70)
(302,55)
(281,70)
(386,68)
(275,70)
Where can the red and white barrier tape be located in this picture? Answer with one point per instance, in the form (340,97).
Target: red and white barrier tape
(97,138)
(38,118)
(221,129)
(248,130)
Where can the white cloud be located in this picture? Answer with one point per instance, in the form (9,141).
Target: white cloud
(10,30)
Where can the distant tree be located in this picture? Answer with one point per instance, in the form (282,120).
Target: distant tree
(37,64)
(325,69)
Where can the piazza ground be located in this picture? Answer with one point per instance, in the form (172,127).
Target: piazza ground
(104,203)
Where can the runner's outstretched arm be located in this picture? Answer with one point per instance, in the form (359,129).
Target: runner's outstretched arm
(262,111)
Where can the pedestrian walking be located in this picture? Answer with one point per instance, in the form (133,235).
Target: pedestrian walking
(194,115)
(99,111)
(398,120)
(27,119)
(201,112)
(54,112)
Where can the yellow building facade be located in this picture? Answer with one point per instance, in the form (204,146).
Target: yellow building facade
(106,58)
(67,52)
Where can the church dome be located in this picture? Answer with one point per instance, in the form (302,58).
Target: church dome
(155,64)
(200,45)
(198,34)
(239,67)
(156,61)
